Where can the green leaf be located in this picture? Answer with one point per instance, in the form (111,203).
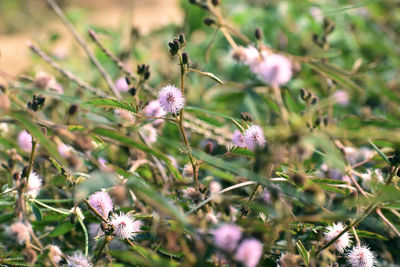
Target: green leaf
(326,181)
(6,217)
(367,234)
(62,228)
(333,189)
(303,252)
(44,141)
(55,164)
(128,142)
(379,152)
(112,103)
(241,152)
(37,212)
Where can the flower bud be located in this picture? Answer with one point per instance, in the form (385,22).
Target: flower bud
(185,58)
(258,33)
(132,91)
(182,40)
(177,45)
(215,2)
(303,94)
(209,148)
(246,116)
(73,109)
(209,21)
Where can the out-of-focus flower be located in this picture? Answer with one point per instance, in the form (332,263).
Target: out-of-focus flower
(64,150)
(361,256)
(371,178)
(78,260)
(171,99)
(214,187)
(4,103)
(101,202)
(249,252)
(25,141)
(289,260)
(150,133)
(211,217)
(254,137)
(103,164)
(355,156)
(122,85)
(78,213)
(343,242)
(341,97)
(227,236)
(238,139)
(274,69)
(3,128)
(154,109)
(34,185)
(316,13)
(125,226)
(247,55)
(19,231)
(43,80)
(188,170)
(125,115)
(55,253)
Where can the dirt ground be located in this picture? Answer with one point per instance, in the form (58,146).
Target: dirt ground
(146,15)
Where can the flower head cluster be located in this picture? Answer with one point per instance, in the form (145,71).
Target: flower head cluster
(34,185)
(254,137)
(55,253)
(274,69)
(341,97)
(78,260)
(101,202)
(25,141)
(361,256)
(171,99)
(343,242)
(19,231)
(238,139)
(249,252)
(150,133)
(125,226)
(227,236)
(371,178)
(153,109)
(64,150)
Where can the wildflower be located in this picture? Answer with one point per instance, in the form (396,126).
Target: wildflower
(124,115)
(274,69)
(249,252)
(192,194)
(227,236)
(78,212)
(361,256)
(248,55)
(188,170)
(25,141)
(254,137)
(214,187)
(101,202)
(371,179)
(19,231)
(211,217)
(122,85)
(341,97)
(64,150)
(3,128)
(355,156)
(125,226)
(103,164)
(150,133)
(171,99)
(154,109)
(34,185)
(289,260)
(238,139)
(343,242)
(43,80)
(55,254)
(78,260)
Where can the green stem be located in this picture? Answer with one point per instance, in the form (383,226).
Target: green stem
(86,236)
(50,208)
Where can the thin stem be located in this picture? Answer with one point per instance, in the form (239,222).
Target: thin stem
(30,163)
(228,37)
(379,212)
(356,236)
(83,44)
(279,101)
(86,236)
(67,74)
(50,208)
(102,246)
(96,212)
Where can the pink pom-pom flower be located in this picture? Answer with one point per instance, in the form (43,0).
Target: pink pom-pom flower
(101,202)
(361,256)
(227,236)
(249,252)
(171,99)
(125,226)
(25,141)
(254,137)
(343,242)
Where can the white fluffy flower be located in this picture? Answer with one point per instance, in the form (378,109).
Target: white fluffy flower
(19,231)
(153,109)
(171,99)
(55,253)
(64,150)
(371,178)
(361,257)
(101,202)
(214,187)
(249,252)
(25,141)
(125,226)
(343,242)
(254,137)
(274,69)
(78,260)
(34,185)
